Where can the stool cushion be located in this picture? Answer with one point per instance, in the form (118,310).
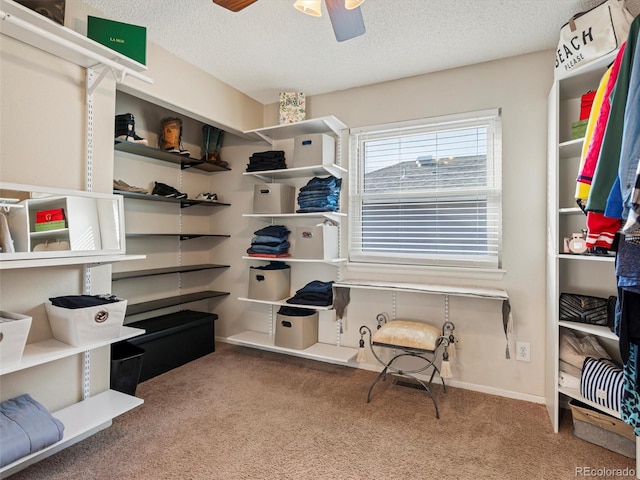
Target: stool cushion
(408,334)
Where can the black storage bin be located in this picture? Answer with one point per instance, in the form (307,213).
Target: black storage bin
(173,340)
(126,365)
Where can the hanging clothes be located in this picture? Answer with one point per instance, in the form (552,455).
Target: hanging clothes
(607,166)
(596,127)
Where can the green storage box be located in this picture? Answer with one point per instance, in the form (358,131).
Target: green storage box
(129,40)
(46,226)
(579,129)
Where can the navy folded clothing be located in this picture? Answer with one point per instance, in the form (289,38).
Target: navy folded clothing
(83,301)
(279,231)
(295,312)
(269,154)
(317,293)
(269,160)
(27,427)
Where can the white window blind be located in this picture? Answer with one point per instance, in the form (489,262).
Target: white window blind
(427,192)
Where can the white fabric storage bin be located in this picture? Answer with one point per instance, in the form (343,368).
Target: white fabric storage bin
(317,242)
(269,285)
(84,326)
(14,330)
(313,149)
(273,198)
(297,332)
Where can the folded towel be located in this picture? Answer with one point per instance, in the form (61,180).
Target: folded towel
(26,427)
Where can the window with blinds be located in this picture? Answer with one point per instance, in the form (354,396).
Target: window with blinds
(427,192)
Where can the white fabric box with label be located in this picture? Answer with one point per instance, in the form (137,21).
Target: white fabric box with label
(14,330)
(273,198)
(317,242)
(269,284)
(84,326)
(297,332)
(314,149)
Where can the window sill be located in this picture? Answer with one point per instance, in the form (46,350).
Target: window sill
(421,271)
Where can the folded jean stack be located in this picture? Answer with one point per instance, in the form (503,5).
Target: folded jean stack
(320,195)
(316,293)
(271,241)
(269,160)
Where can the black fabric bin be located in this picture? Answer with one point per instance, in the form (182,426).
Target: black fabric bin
(126,365)
(172,340)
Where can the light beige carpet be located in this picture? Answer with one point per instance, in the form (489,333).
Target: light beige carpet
(245,414)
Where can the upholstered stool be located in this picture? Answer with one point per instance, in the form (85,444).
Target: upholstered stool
(412,339)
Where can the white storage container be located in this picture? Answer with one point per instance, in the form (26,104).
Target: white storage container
(313,149)
(269,284)
(94,224)
(14,330)
(297,332)
(84,326)
(317,242)
(273,198)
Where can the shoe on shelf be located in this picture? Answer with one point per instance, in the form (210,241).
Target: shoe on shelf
(125,129)
(207,197)
(171,136)
(125,187)
(164,190)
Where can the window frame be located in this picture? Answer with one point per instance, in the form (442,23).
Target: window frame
(357,197)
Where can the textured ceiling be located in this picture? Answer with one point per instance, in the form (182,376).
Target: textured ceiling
(270,47)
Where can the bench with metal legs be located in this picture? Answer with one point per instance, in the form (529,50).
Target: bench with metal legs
(413,339)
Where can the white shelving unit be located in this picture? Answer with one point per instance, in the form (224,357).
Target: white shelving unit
(93,413)
(79,419)
(571,273)
(323,352)
(279,137)
(27,26)
(46,351)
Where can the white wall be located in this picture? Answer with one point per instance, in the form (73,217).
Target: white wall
(519,86)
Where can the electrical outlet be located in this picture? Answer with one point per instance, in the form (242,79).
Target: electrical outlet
(457,342)
(523,351)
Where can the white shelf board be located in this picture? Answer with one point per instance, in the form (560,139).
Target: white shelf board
(298,260)
(284,303)
(571,148)
(326,124)
(600,331)
(570,211)
(80,419)
(575,393)
(587,258)
(319,351)
(10,261)
(29,27)
(45,351)
(298,172)
(460,291)
(335,216)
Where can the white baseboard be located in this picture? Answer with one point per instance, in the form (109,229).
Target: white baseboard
(452,382)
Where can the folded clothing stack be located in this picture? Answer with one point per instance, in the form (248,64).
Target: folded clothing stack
(320,195)
(83,301)
(271,241)
(27,427)
(269,160)
(314,293)
(574,351)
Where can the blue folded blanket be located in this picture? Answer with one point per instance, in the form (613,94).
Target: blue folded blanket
(26,427)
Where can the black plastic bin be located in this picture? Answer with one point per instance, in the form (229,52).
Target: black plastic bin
(126,365)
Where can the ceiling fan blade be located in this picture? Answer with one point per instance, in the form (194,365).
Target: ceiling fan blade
(234,5)
(346,23)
